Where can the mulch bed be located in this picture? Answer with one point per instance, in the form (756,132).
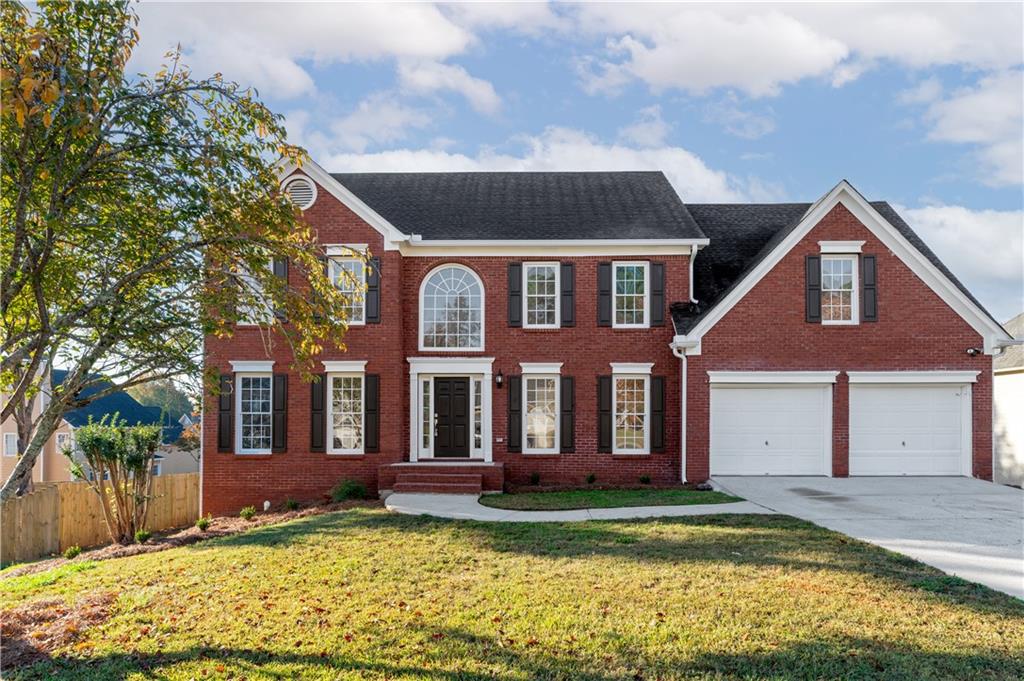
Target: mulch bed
(32,631)
(219,527)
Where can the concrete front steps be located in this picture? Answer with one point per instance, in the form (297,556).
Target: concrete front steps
(439,483)
(441,477)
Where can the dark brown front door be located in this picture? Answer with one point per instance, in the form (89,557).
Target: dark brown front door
(451,417)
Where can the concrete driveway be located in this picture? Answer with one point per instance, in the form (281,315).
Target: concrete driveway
(965,527)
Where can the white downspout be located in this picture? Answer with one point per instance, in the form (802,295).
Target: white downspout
(682,423)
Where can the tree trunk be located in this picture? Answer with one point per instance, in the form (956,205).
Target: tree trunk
(23,470)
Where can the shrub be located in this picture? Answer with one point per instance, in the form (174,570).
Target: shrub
(591,479)
(203,523)
(535,478)
(72,551)
(645,479)
(348,489)
(291,504)
(142,536)
(248,513)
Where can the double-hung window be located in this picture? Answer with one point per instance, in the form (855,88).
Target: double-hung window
(541,300)
(540,406)
(838,289)
(254,417)
(631,409)
(348,274)
(631,294)
(10,444)
(347,415)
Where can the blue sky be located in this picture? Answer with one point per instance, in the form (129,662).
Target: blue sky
(920,105)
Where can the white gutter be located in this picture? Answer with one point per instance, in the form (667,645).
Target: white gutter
(693,256)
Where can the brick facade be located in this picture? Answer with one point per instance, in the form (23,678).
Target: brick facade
(766,331)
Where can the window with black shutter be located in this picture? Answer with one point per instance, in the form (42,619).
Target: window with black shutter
(604,294)
(371,414)
(515,294)
(657,413)
(869,288)
(568,301)
(604,413)
(514,436)
(567,415)
(279,414)
(657,294)
(373,291)
(225,414)
(812,288)
(318,414)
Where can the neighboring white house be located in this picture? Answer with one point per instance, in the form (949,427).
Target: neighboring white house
(1008,421)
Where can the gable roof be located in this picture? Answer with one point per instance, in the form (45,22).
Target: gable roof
(1012,356)
(124,405)
(742,237)
(526,206)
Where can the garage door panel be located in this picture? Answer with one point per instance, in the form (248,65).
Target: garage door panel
(769,430)
(906,429)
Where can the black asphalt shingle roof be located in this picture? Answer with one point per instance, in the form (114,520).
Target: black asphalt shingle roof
(742,235)
(527,205)
(124,405)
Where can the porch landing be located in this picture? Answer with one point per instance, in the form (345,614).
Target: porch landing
(441,477)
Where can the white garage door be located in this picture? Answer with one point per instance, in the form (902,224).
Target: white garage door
(771,430)
(908,429)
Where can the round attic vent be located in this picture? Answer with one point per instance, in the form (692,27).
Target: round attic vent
(301,191)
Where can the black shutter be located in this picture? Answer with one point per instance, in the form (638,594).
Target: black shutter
(279,417)
(318,414)
(604,294)
(371,412)
(657,294)
(514,437)
(567,422)
(515,294)
(812,266)
(568,276)
(657,413)
(869,288)
(226,414)
(604,413)
(281,272)
(373,292)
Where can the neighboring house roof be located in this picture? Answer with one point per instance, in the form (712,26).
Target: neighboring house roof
(742,235)
(1012,356)
(527,205)
(127,407)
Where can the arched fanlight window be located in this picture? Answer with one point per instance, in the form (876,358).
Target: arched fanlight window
(452,310)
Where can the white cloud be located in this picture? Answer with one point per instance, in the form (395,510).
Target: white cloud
(425,77)
(984,248)
(735,121)
(378,119)
(649,129)
(925,92)
(990,115)
(566,149)
(530,18)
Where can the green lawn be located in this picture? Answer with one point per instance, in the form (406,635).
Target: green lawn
(602,498)
(368,594)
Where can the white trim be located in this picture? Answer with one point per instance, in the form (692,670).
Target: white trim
(330,412)
(483,308)
(540,249)
(556,448)
(843,247)
(772,376)
(616,264)
(344,366)
(343,250)
(427,368)
(682,419)
(541,367)
(854,290)
(890,237)
(955,377)
(631,367)
(238,449)
(557,267)
(647,413)
(253,366)
(298,178)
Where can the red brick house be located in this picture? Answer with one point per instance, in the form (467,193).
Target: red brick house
(568,325)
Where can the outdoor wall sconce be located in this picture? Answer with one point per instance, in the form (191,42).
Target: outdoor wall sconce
(498,379)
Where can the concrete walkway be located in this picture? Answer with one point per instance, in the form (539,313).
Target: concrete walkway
(965,527)
(466,507)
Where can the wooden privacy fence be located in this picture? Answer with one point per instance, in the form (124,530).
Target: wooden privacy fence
(62,514)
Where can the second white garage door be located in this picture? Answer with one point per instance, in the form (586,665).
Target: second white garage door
(771,430)
(909,429)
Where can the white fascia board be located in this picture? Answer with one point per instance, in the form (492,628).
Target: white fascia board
(631,367)
(541,249)
(844,193)
(541,367)
(958,377)
(772,376)
(345,366)
(392,235)
(841,247)
(255,366)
